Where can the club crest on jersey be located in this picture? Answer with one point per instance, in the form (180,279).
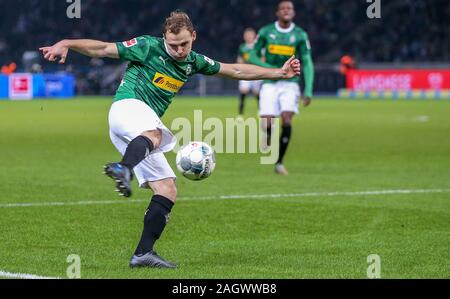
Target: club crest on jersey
(167,83)
(293,39)
(188,70)
(130,43)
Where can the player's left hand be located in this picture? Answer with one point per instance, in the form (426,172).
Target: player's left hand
(291,67)
(58,50)
(306,101)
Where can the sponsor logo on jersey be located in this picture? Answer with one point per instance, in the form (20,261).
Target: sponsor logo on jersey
(281,50)
(130,43)
(167,83)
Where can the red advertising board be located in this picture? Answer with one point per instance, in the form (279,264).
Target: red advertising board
(398,80)
(20,86)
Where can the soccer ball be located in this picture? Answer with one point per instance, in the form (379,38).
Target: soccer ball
(196,161)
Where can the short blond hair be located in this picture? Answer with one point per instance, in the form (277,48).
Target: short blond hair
(177,21)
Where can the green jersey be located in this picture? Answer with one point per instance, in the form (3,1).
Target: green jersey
(244,51)
(278,45)
(153,76)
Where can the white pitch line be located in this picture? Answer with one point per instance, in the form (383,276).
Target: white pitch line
(24,276)
(71,203)
(226,197)
(218,197)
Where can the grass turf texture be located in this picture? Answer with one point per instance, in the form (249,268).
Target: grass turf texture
(53,151)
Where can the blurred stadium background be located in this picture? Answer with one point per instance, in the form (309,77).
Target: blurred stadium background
(411,35)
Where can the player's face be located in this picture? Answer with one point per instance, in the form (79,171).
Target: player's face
(249,36)
(180,45)
(286,12)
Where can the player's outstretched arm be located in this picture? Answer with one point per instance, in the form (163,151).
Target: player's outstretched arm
(88,47)
(253,72)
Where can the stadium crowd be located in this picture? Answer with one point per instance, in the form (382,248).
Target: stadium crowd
(409,30)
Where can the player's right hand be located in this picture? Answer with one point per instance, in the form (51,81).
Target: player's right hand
(306,101)
(292,67)
(55,52)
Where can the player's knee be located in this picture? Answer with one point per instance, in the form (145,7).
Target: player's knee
(170,191)
(173,191)
(166,188)
(155,136)
(287,118)
(287,122)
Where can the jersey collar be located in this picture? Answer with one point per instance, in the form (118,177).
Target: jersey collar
(250,46)
(283,30)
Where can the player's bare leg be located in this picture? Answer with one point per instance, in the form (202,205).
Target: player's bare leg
(138,149)
(257,96)
(155,220)
(267,131)
(242,96)
(286,132)
(243,92)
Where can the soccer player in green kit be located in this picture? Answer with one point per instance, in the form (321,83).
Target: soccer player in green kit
(279,98)
(247,87)
(158,68)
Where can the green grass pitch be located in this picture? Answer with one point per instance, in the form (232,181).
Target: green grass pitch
(53,152)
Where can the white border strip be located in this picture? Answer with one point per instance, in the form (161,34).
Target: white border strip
(226,197)
(24,276)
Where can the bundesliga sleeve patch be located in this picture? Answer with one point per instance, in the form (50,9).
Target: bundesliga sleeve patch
(209,60)
(130,43)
